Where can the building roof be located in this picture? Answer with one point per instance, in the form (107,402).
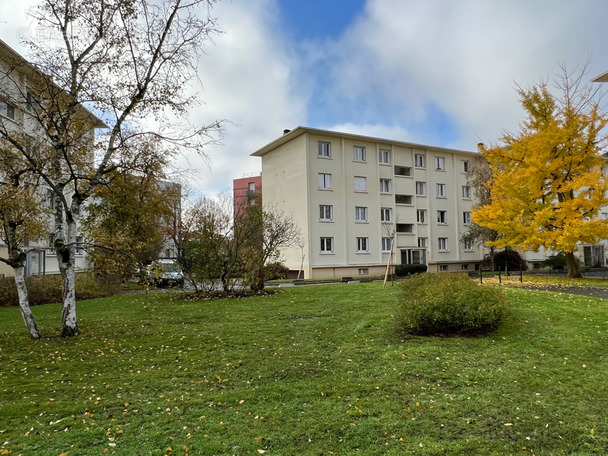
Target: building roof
(601,78)
(290,135)
(15,58)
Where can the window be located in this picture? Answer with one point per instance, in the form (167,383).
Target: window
(466,192)
(324,180)
(51,250)
(440,163)
(360,184)
(468,244)
(385,185)
(79,245)
(403,171)
(443,267)
(442,244)
(466,217)
(442,217)
(362,245)
(360,214)
(405,227)
(464,267)
(465,166)
(421,215)
(251,187)
(363,271)
(403,199)
(420,188)
(327,245)
(386,244)
(359,153)
(420,161)
(422,242)
(326,212)
(50,198)
(7,110)
(384,157)
(29,100)
(386,214)
(441,191)
(324,149)
(412,256)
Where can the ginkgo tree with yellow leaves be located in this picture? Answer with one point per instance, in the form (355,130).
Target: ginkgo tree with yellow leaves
(548,184)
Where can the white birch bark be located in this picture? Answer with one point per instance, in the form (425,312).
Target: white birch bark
(67,267)
(24,303)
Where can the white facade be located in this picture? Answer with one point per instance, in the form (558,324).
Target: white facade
(351,195)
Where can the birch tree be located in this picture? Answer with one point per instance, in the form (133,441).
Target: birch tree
(548,184)
(129,61)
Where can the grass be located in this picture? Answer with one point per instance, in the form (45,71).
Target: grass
(308,371)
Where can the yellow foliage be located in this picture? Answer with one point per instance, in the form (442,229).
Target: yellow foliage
(548,183)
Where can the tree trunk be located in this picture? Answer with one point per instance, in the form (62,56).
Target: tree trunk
(16,260)
(24,303)
(257,282)
(67,267)
(572,266)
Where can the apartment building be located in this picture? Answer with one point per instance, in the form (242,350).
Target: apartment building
(357,198)
(244,191)
(16,115)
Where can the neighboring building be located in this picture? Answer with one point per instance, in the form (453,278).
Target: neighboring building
(16,86)
(595,255)
(171,226)
(352,195)
(245,191)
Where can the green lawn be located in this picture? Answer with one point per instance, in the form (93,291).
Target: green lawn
(310,371)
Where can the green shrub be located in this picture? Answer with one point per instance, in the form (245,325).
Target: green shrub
(276,271)
(449,304)
(403,270)
(47,289)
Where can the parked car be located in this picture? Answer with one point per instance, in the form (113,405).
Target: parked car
(166,273)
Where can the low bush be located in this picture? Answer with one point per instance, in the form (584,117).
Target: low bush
(47,289)
(403,270)
(276,271)
(449,304)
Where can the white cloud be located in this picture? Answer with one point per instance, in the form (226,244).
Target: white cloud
(247,77)
(461,58)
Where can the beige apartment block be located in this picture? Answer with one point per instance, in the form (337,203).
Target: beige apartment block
(357,197)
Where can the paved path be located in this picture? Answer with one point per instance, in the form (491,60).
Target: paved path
(595,292)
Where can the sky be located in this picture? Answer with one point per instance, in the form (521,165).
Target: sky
(436,72)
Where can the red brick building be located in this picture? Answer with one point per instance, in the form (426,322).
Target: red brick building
(246,191)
